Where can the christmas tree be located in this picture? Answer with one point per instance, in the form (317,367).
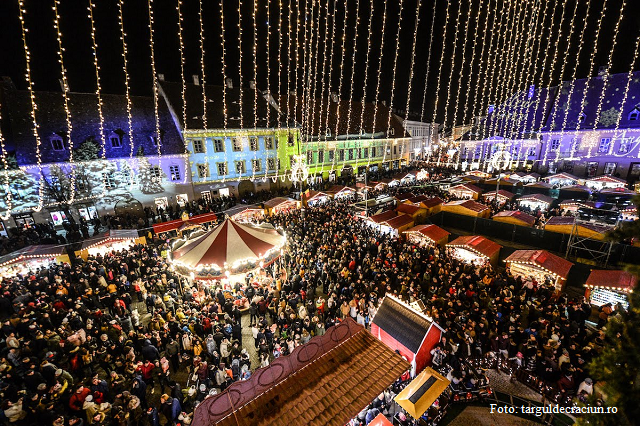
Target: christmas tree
(149,182)
(87,151)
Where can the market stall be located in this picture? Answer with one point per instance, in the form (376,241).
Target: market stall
(279,205)
(418,213)
(605,182)
(246,213)
(515,217)
(31,258)
(525,178)
(114,240)
(629,213)
(566,225)
(613,287)
(339,192)
(427,235)
(574,192)
(422,392)
(503,196)
(535,202)
(467,208)
(539,265)
(561,179)
(178,224)
(396,225)
(478,173)
(465,191)
(537,188)
(230,248)
(475,249)
(312,198)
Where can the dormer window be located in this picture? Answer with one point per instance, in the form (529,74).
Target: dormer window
(154,140)
(57,143)
(635,114)
(582,117)
(115,140)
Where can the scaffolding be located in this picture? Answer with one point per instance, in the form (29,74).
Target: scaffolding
(593,249)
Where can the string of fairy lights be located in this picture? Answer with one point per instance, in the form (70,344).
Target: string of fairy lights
(395,68)
(343,50)
(426,74)
(8,195)
(626,96)
(353,68)
(380,61)
(127,87)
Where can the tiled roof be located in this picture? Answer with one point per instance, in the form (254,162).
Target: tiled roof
(433,232)
(384,216)
(402,323)
(276,202)
(404,196)
(615,279)
(563,175)
(561,221)
(542,258)
(502,192)
(325,382)
(517,214)
(478,244)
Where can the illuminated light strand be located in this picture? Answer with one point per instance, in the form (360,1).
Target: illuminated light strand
(375,105)
(289,56)
(366,77)
(343,49)
(7,188)
(573,79)
(325,131)
(322,131)
(268,50)
(94,47)
(239,63)
(224,67)
(314,93)
(280,8)
(255,65)
(562,69)
(605,77)
(395,67)
(34,106)
(182,74)
(155,81)
(586,86)
(65,99)
(442,52)
(626,92)
(476,27)
(353,70)
(127,88)
(296,70)
(426,76)
(308,67)
(311,104)
(453,60)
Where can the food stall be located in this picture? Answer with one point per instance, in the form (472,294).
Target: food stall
(422,392)
(341,192)
(427,235)
(580,192)
(478,173)
(31,258)
(604,286)
(465,191)
(279,205)
(535,202)
(181,224)
(396,225)
(566,224)
(503,196)
(629,213)
(312,198)
(246,213)
(114,240)
(475,249)
(539,265)
(539,187)
(525,177)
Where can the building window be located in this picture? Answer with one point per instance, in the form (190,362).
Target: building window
(392,131)
(555,144)
(341,155)
(253,143)
(154,140)
(198,146)
(268,142)
(350,154)
(174,171)
(203,170)
(625,146)
(115,140)
(605,145)
(218,145)
(291,161)
(532,151)
(395,150)
(465,151)
(373,151)
(256,165)
(205,195)
(291,140)
(332,155)
(155,173)
(633,115)
(359,152)
(478,150)
(388,150)
(237,144)
(108,179)
(241,167)
(366,153)
(56,143)
(309,157)
(271,163)
(320,156)
(222,169)
(279,165)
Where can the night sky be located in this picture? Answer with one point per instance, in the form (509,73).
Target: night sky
(78,57)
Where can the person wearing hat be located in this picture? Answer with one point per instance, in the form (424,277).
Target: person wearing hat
(170,408)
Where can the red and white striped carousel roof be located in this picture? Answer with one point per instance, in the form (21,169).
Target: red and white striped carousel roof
(229,243)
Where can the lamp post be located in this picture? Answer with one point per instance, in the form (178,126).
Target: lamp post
(500,159)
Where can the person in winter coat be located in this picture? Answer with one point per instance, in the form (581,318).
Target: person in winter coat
(77,399)
(170,408)
(13,411)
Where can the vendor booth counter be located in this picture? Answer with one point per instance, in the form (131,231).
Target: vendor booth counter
(539,265)
(475,249)
(613,287)
(31,258)
(114,240)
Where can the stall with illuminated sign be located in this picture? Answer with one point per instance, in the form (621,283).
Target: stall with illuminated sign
(535,202)
(539,265)
(246,213)
(339,192)
(114,240)
(537,188)
(605,182)
(474,249)
(613,287)
(580,192)
(561,179)
(30,258)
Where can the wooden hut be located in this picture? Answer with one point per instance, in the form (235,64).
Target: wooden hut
(467,208)
(313,198)
(566,224)
(31,258)
(539,187)
(561,179)
(279,205)
(535,201)
(515,217)
(465,191)
(574,192)
(475,249)
(432,205)
(503,196)
(418,214)
(604,286)
(427,235)
(113,240)
(539,265)
(605,182)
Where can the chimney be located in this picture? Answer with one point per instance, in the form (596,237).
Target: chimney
(196,80)
(334,97)
(229,83)
(252,84)
(161,77)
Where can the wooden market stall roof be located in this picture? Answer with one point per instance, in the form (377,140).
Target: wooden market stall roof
(606,179)
(476,244)
(112,235)
(384,216)
(501,193)
(563,175)
(325,382)
(468,187)
(173,225)
(399,221)
(617,280)
(311,195)
(337,189)
(468,204)
(431,202)
(432,232)
(565,224)
(408,208)
(542,259)
(404,324)
(515,216)
(32,252)
(541,198)
(422,392)
(539,184)
(404,196)
(275,202)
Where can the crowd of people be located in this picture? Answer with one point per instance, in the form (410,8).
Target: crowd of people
(121,339)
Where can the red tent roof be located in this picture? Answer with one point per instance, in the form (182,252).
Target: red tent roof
(380,420)
(543,259)
(517,214)
(561,176)
(612,279)
(432,232)
(229,243)
(171,225)
(432,202)
(477,244)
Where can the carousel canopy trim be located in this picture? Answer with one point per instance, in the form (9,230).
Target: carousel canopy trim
(542,259)
(536,197)
(618,280)
(403,323)
(422,392)
(324,382)
(112,235)
(469,205)
(432,232)
(32,252)
(517,214)
(477,244)
(275,202)
(230,243)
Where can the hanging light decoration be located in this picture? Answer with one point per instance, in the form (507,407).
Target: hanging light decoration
(8,195)
(255,65)
(395,67)
(473,55)
(324,131)
(375,103)
(342,50)
(353,67)
(240,74)
(632,66)
(127,94)
(155,80)
(426,76)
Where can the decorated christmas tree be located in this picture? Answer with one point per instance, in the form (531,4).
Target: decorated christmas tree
(87,151)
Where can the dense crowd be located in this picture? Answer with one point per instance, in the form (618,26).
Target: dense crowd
(122,340)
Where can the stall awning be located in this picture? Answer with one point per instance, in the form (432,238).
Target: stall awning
(542,259)
(112,235)
(173,225)
(32,252)
(615,280)
(327,382)
(275,202)
(422,392)
(477,244)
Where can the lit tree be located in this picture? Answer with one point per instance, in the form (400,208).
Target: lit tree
(149,182)
(87,151)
